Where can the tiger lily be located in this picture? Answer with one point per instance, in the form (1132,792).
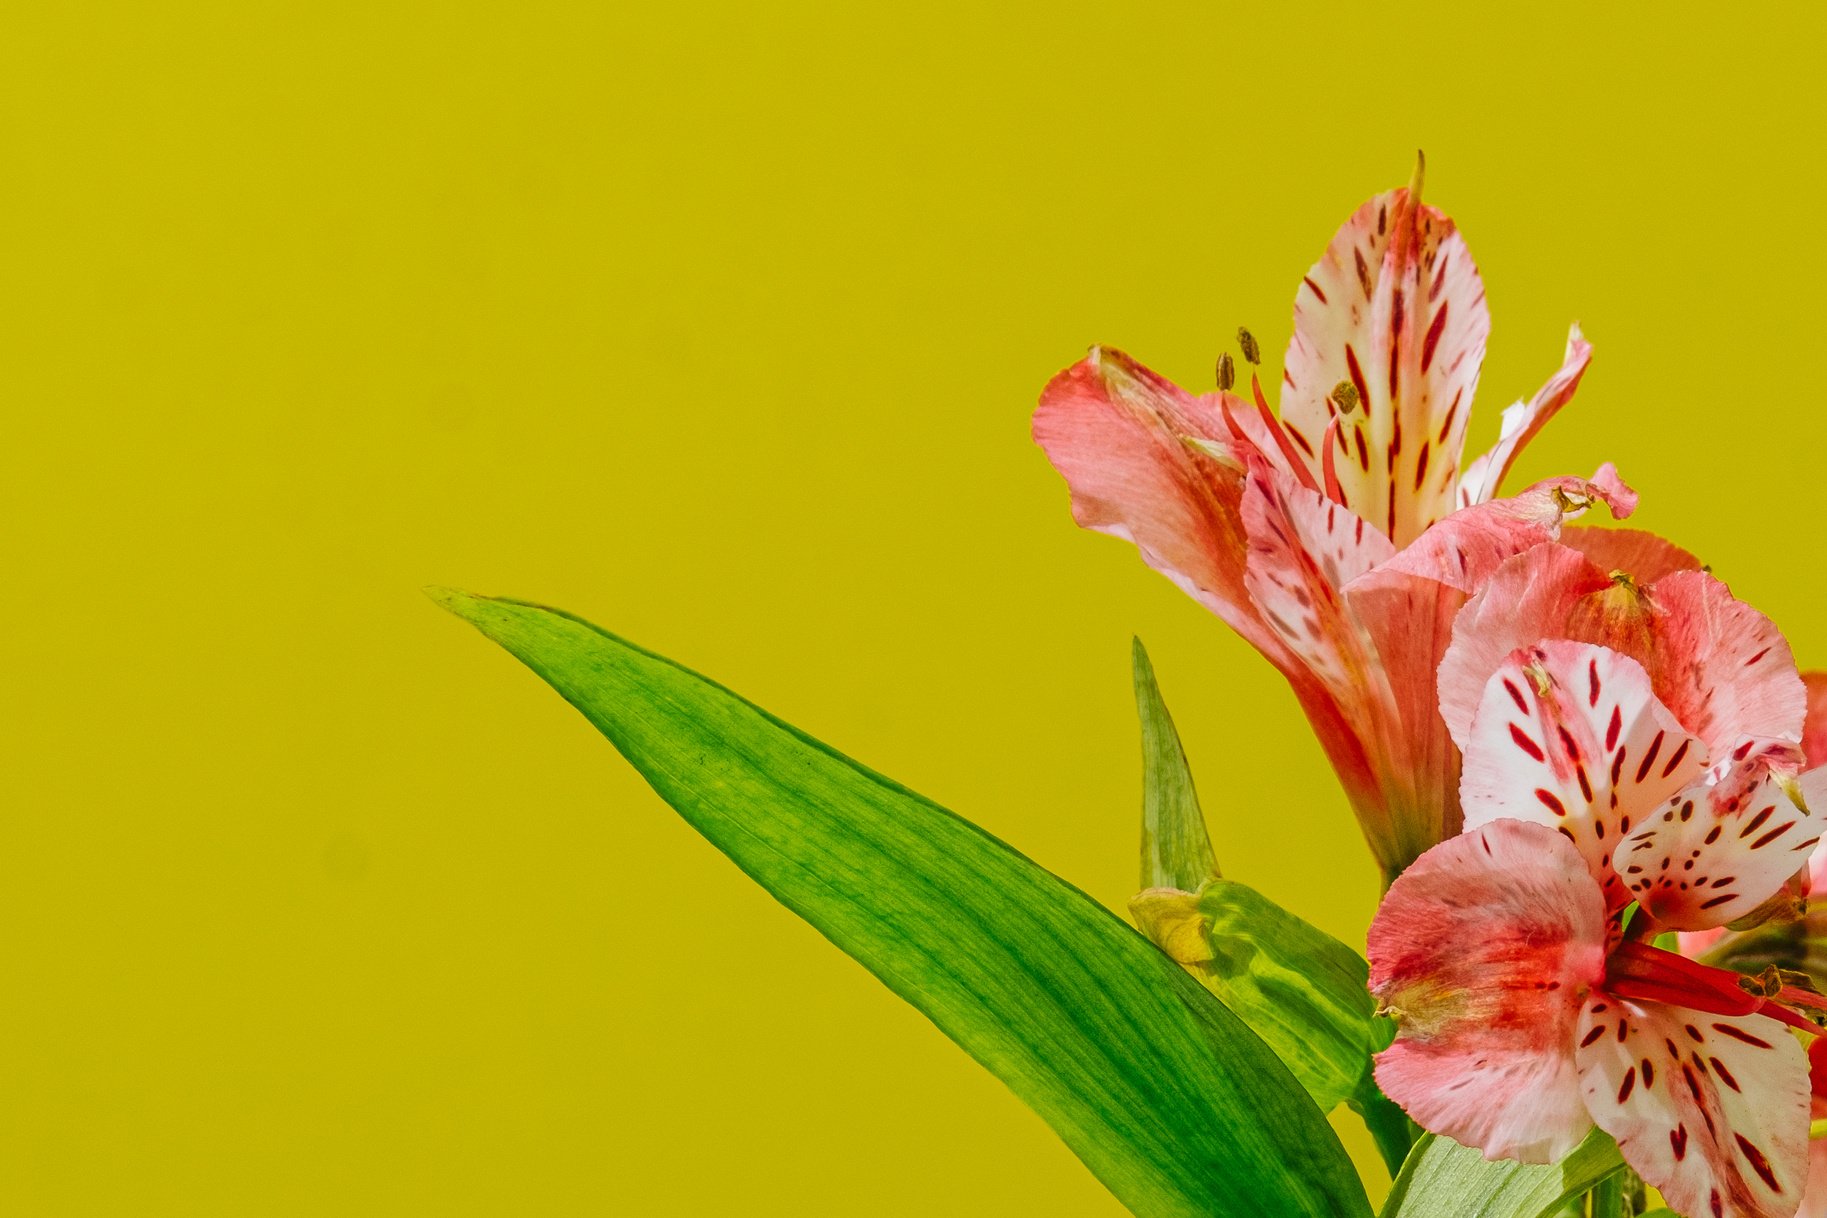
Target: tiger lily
(1517,959)
(1340,538)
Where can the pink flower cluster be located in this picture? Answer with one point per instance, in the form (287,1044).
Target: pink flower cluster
(1565,744)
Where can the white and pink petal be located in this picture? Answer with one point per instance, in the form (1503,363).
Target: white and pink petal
(1302,549)
(1721,848)
(1530,597)
(1394,308)
(1570,736)
(1483,952)
(1710,1109)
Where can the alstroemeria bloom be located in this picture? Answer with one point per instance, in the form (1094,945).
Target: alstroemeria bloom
(1795,942)
(1327,538)
(1527,1011)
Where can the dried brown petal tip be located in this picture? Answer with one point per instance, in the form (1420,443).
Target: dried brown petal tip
(1247,341)
(1227,372)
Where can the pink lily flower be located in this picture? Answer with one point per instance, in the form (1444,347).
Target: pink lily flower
(1340,539)
(1528,1010)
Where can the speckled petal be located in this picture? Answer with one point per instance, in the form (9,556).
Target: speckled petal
(1710,1109)
(1484,950)
(1571,737)
(1394,308)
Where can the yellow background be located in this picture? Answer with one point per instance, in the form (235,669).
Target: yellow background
(721,327)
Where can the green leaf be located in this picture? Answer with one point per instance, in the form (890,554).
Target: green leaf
(1176,850)
(1164,1094)
(1608,1198)
(1442,1177)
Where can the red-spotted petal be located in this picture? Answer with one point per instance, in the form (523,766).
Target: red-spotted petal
(1720,848)
(1150,463)
(1119,433)
(1485,474)
(1571,736)
(1303,549)
(1710,1109)
(1394,308)
(1722,667)
(1483,951)
(1528,598)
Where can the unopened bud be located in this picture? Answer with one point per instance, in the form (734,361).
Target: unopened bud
(1345,394)
(1227,372)
(1247,341)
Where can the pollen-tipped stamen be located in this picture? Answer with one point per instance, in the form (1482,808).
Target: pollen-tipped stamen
(1297,464)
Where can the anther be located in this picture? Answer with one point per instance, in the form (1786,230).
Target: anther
(1247,341)
(1767,984)
(1227,372)
(1345,394)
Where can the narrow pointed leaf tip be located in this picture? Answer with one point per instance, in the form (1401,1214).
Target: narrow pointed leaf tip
(449,598)
(1176,849)
(1163,1093)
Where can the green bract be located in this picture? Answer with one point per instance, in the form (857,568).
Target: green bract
(1176,848)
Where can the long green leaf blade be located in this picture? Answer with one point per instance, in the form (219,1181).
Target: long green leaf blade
(1176,848)
(1442,1177)
(1164,1094)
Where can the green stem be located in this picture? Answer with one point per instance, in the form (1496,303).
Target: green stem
(1608,1197)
